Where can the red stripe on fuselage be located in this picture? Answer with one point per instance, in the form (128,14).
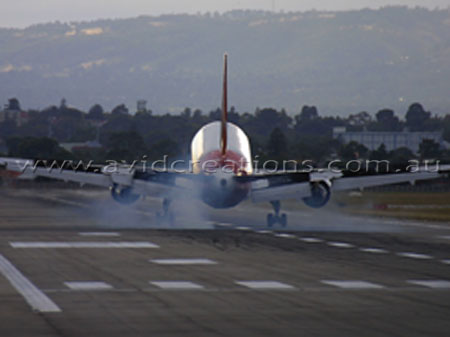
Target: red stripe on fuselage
(230,162)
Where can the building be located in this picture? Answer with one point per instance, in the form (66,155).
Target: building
(141,105)
(12,111)
(391,139)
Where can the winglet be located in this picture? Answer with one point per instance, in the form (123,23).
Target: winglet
(223,136)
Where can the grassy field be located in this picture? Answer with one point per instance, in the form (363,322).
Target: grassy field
(433,206)
(415,205)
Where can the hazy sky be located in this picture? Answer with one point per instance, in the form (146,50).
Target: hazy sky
(20,13)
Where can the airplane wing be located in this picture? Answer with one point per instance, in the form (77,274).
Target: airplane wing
(125,178)
(315,187)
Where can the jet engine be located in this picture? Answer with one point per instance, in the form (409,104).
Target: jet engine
(124,195)
(320,195)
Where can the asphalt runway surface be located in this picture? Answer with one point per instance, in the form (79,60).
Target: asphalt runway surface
(78,264)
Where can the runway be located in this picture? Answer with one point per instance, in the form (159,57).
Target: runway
(68,267)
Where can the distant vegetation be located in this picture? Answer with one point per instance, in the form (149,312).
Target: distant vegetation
(273,133)
(342,62)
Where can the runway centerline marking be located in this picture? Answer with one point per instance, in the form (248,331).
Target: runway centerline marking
(415,255)
(352,284)
(107,234)
(310,239)
(77,244)
(340,244)
(34,297)
(373,250)
(265,285)
(434,284)
(285,235)
(264,231)
(182,261)
(177,285)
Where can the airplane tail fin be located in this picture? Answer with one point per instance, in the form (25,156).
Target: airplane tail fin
(223,135)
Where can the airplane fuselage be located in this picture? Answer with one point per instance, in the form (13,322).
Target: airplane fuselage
(219,189)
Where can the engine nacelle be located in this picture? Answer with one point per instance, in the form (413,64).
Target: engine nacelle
(320,195)
(124,195)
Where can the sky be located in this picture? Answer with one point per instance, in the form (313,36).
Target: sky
(22,13)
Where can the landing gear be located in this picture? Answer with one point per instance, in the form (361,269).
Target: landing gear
(273,219)
(167,215)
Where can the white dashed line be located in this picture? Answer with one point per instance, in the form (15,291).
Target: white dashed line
(177,285)
(265,285)
(183,261)
(311,240)
(285,235)
(446,261)
(353,284)
(90,285)
(220,224)
(340,244)
(83,245)
(373,250)
(243,228)
(434,284)
(34,297)
(107,234)
(415,255)
(264,232)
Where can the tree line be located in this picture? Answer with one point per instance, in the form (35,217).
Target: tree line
(273,133)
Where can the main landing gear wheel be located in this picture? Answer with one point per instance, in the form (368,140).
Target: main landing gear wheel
(274,218)
(166,216)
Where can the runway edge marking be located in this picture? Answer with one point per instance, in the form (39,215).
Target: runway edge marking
(34,297)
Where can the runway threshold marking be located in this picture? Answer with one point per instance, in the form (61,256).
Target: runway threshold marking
(88,285)
(182,261)
(415,255)
(177,285)
(75,244)
(106,234)
(434,284)
(34,297)
(265,285)
(352,284)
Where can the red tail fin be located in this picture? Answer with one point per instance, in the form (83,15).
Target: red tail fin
(223,136)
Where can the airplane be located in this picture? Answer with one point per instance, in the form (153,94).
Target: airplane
(222,175)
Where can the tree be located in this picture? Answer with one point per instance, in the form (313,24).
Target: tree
(308,113)
(400,157)
(352,151)
(361,119)
(120,109)
(39,148)
(127,146)
(13,104)
(96,112)
(386,121)
(379,154)
(429,149)
(416,117)
(277,145)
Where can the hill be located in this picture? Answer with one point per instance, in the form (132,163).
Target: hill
(342,62)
